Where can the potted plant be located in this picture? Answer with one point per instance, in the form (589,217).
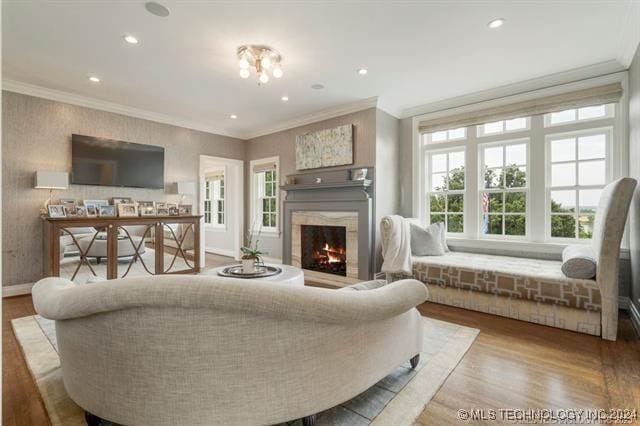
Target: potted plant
(251,253)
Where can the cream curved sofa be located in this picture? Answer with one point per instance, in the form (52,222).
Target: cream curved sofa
(196,350)
(536,290)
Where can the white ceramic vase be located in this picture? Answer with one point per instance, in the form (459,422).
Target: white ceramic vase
(248,266)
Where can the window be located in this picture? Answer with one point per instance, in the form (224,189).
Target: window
(579,114)
(446,183)
(536,178)
(265,192)
(214,200)
(578,164)
(445,135)
(503,192)
(503,126)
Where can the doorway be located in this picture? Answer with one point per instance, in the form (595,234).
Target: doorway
(221,204)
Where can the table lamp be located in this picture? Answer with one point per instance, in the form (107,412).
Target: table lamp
(51,181)
(186,188)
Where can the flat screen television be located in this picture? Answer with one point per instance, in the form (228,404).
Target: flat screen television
(107,162)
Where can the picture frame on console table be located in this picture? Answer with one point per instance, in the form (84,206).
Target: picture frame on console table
(173,209)
(146,208)
(120,200)
(56,210)
(92,209)
(185,209)
(107,211)
(127,210)
(162,209)
(96,202)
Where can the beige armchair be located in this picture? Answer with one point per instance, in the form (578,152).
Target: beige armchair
(198,350)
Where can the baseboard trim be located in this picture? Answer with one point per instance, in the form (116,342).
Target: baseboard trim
(272,260)
(17,290)
(221,252)
(624,302)
(635,317)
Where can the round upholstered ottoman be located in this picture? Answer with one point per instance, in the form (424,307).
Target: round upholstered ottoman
(99,247)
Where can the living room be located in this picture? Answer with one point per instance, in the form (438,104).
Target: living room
(320,213)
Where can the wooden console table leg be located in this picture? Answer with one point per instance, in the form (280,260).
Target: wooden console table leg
(112,252)
(53,234)
(159,247)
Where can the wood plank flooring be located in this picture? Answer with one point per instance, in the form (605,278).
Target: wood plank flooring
(512,364)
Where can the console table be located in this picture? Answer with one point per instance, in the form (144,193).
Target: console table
(150,228)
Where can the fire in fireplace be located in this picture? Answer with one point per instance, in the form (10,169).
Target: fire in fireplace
(324,249)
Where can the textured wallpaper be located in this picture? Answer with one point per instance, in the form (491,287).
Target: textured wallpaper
(36,135)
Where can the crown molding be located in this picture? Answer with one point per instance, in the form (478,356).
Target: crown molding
(87,102)
(315,117)
(551,80)
(630,35)
(84,101)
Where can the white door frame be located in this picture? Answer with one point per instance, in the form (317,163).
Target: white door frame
(237,208)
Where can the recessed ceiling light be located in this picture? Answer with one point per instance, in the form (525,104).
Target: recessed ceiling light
(284,99)
(363,71)
(156,9)
(317,86)
(131,39)
(496,23)
(233,116)
(94,79)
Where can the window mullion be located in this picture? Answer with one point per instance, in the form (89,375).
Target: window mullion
(470,218)
(537,206)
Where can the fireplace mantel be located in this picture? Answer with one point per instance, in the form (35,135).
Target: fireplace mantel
(335,194)
(362,184)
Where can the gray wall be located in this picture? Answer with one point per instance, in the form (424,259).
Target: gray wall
(282,144)
(406,167)
(387,183)
(37,136)
(634,171)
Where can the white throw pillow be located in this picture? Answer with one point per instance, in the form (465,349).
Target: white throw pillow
(443,233)
(426,241)
(579,261)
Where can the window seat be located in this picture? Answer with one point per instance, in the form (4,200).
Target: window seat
(530,289)
(512,277)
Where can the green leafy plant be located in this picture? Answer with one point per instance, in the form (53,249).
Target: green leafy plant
(252,249)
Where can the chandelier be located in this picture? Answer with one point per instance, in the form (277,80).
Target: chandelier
(263,58)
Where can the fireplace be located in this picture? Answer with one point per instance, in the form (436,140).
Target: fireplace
(328,227)
(325,245)
(324,249)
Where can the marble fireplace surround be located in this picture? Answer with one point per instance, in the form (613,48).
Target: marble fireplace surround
(348,220)
(335,201)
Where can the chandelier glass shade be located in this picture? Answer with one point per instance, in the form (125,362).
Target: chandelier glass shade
(262,59)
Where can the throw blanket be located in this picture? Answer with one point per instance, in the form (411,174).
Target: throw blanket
(396,247)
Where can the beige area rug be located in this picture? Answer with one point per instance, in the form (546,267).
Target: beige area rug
(398,399)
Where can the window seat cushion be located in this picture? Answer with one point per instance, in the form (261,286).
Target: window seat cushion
(514,277)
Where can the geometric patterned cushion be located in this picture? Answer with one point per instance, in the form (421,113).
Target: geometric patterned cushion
(513,277)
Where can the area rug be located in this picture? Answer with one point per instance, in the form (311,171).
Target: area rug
(398,399)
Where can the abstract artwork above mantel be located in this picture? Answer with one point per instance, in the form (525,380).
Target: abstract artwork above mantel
(325,148)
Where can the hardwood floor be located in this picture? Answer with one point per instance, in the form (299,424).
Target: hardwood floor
(512,364)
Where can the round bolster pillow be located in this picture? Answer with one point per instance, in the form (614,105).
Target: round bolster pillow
(579,261)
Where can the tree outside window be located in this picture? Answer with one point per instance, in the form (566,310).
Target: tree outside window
(504,195)
(446,197)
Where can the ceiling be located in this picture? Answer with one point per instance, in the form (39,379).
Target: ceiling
(185,65)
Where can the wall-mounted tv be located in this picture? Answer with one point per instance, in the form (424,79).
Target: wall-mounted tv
(107,162)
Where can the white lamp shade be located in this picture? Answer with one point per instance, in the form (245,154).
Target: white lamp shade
(51,180)
(187,188)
